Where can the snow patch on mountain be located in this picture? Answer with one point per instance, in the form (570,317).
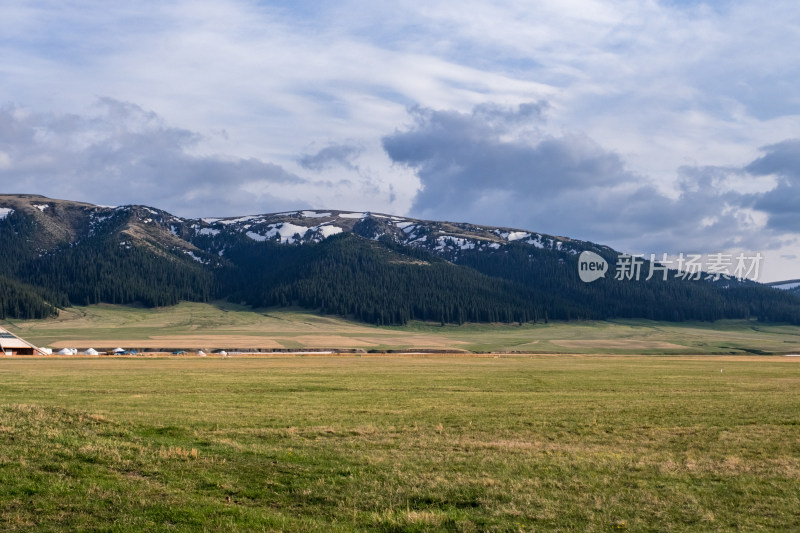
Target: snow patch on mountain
(517,235)
(447,242)
(228,221)
(287,232)
(5,211)
(256,236)
(195,257)
(327,231)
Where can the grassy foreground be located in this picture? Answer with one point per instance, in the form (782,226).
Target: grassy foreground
(400,444)
(192,326)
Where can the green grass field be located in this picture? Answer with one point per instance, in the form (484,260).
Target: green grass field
(224,326)
(378,443)
(627,433)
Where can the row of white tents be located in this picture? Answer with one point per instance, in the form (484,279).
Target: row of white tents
(92,351)
(74,351)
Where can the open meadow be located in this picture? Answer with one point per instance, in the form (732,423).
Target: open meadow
(400,443)
(599,425)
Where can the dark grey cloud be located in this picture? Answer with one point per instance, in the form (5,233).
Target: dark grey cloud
(782,159)
(458,151)
(782,203)
(495,166)
(125,154)
(342,155)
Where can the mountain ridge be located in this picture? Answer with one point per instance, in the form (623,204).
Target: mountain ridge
(375,267)
(294,227)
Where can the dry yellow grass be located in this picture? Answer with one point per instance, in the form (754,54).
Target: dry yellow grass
(618,344)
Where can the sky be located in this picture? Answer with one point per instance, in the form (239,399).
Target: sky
(667,126)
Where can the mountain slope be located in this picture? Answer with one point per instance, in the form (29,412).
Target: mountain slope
(84,254)
(377,268)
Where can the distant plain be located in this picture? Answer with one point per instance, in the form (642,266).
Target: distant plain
(193,326)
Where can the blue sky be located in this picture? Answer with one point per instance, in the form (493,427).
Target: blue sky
(650,126)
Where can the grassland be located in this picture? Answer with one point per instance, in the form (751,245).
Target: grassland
(208,326)
(357,443)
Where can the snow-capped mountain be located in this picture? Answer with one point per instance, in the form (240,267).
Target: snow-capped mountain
(446,239)
(66,221)
(375,267)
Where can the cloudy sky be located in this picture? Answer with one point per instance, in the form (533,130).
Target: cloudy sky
(651,126)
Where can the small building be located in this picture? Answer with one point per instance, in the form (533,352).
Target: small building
(10,344)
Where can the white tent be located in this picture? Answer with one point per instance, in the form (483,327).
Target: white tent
(65,351)
(91,351)
(223,352)
(201,353)
(117,350)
